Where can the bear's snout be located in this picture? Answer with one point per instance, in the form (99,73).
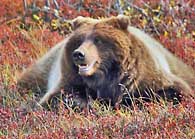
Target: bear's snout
(78,56)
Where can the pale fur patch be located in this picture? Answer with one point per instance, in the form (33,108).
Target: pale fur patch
(158,53)
(55,71)
(155,49)
(54,74)
(54,80)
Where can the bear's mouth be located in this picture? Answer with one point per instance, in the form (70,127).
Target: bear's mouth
(87,69)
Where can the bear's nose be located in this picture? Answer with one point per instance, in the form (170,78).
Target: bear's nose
(78,56)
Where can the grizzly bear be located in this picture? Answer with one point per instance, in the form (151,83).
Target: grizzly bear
(109,60)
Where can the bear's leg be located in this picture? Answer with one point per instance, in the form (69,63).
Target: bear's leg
(170,94)
(32,79)
(55,89)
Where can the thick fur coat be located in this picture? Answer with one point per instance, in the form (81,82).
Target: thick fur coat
(110,60)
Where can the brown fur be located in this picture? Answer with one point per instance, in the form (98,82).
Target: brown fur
(123,66)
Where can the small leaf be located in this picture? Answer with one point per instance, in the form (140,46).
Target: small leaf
(165,33)
(156,19)
(36,17)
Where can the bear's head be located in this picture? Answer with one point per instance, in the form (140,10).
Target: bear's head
(98,48)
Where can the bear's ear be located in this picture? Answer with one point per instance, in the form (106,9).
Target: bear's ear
(80,20)
(120,22)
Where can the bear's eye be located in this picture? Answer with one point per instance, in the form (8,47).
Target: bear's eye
(98,41)
(79,42)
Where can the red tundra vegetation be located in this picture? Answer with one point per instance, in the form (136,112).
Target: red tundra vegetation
(25,35)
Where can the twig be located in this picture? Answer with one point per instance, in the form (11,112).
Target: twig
(140,10)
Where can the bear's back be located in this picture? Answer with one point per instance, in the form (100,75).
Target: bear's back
(163,59)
